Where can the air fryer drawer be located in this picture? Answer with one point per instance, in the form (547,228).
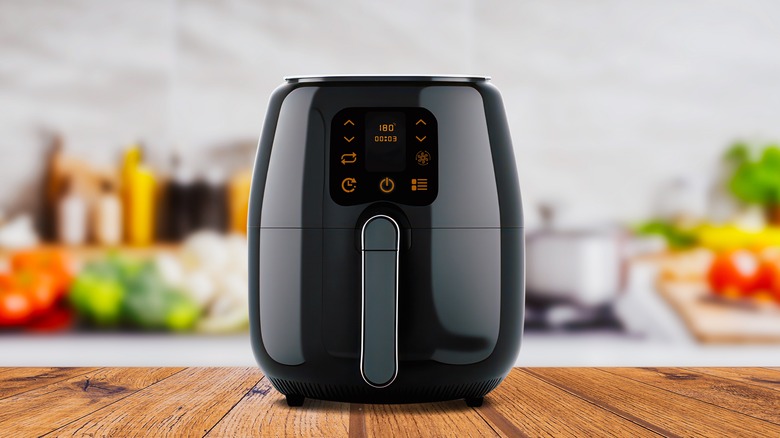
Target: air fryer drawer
(290,280)
(449,295)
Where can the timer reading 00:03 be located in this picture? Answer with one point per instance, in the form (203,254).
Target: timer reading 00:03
(385,141)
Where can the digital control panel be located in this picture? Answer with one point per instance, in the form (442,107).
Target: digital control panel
(384,154)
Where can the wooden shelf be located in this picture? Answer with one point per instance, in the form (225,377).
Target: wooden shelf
(91,251)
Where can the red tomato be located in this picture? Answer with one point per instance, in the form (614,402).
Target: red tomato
(40,287)
(6,281)
(54,262)
(739,273)
(16,308)
(58,319)
(773,263)
(767,273)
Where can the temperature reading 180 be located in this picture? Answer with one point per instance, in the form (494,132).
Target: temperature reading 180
(385,141)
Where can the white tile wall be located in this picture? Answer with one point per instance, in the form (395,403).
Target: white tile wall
(607,99)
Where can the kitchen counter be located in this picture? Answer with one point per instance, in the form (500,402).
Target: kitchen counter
(538,350)
(221,402)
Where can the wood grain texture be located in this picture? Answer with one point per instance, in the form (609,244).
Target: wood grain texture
(17,380)
(43,409)
(536,408)
(451,418)
(228,402)
(357,421)
(764,377)
(188,403)
(264,412)
(740,397)
(500,424)
(678,414)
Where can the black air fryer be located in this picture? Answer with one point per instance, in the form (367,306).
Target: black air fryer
(385,240)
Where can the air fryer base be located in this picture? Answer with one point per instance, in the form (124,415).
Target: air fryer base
(472,392)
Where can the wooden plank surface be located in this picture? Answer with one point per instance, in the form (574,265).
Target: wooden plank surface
(264,412)
(48,407)
(678,414)
(452,418)
(765,377)
(227,402)
(740,397)
(16,380)
(536,408)
(188,403)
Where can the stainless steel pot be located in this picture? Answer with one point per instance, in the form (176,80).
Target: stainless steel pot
(585,267)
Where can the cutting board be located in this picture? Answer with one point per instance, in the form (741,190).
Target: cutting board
(720,321)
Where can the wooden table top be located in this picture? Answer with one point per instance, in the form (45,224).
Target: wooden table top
(226,402)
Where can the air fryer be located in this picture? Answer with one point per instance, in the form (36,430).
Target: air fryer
(385,240)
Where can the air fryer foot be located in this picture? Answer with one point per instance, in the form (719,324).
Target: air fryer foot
(295,400)
(474,402)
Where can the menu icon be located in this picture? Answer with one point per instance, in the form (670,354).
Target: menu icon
(419,184)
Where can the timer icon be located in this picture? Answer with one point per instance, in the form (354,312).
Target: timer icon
(423,158)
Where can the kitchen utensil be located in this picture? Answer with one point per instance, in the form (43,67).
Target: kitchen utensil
(582,267)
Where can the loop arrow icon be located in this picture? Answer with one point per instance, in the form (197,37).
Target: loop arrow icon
(348,158)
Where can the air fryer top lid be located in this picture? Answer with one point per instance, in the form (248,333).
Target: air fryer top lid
(386,78)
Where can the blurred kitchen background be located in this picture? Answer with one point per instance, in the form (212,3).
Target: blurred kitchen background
(646,139)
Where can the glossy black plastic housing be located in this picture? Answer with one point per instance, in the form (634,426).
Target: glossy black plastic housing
(460,262)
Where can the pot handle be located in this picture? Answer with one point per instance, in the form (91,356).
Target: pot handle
(379,338)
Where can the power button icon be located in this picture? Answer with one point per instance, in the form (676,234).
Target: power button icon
(387,185)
